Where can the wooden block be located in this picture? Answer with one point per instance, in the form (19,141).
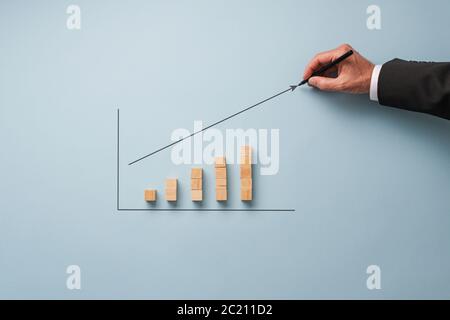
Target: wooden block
(220,162)
(245,160)
(171,194)
(246,150)
(246,183)
(246,194)
(196,173)
(245,171)
(221,194)
(197,195)
(171,184)
(221,173)
(150,195)
(196,184)
(221,182)
(246,155)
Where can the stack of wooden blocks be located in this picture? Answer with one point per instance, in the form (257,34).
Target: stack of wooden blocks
(171,190)
(221,179)
(197,184)
(246,173)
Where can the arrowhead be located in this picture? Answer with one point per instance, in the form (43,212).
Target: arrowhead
(293,88)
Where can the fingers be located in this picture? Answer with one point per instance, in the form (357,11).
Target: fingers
(323,58)
(319,60)
(325,84)
(332,72)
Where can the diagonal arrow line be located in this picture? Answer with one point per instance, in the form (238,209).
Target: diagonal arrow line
(291,88)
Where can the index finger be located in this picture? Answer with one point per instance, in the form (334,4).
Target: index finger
(319,60)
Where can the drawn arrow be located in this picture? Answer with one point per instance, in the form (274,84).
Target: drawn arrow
(291,88)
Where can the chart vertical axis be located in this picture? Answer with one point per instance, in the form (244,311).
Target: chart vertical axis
(118,160)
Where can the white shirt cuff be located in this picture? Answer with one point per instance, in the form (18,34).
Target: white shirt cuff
(374,83)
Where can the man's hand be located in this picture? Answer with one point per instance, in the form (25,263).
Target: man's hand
(351,75)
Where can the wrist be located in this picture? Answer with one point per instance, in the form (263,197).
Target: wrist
(368,78)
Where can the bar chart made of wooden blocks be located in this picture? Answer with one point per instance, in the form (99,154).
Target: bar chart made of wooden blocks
(221,185)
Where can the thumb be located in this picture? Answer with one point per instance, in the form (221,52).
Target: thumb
(324,83)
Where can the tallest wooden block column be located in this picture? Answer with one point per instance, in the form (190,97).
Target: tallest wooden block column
(246,173)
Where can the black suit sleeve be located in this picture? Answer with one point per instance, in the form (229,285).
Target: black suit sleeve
(416,86)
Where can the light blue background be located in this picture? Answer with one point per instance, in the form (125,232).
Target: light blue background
(370,184)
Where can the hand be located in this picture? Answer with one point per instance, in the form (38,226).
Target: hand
(352,75)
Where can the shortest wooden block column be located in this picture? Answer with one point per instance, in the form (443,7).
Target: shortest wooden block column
(221,179)
(246,173)
(197,184)
(171,189)
(150,195)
